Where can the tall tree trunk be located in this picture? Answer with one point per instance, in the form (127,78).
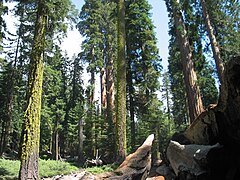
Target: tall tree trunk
(55,147)
(80,140)
(121,84)
(131,106)
(103,92)
(216,51)
(31,127)
(92,109)
(110,101)
(190,78)
(6,128)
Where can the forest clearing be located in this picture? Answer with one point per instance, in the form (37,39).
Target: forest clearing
(114,105)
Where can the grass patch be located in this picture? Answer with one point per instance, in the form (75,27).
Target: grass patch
(100,169)
(49,168)
(9,169)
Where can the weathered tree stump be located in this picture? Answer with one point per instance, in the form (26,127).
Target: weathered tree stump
(218,124)
(190,158)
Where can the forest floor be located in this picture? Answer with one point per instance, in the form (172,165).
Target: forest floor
(72,176)
(82,173)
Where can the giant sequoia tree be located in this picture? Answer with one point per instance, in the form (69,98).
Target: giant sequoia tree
(190,78)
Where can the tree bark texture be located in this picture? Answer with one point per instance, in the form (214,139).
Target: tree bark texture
(31,127)
(91,103)
(190,158)
(121,84)
(111,119)
(103,92)
(190,78)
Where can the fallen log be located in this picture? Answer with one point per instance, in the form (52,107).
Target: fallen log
(189,158)
(166,171)
(136,165)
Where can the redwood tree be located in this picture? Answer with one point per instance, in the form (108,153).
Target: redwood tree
(190,78)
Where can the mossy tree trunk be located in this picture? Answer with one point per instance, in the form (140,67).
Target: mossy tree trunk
(31,126)
(121,84)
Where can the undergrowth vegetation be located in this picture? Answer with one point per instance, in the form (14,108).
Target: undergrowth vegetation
(9,169)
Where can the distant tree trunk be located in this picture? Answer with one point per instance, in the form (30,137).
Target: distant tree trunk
(190,78)
(92,109)
(55,147)
(156,146)
(110,101)
(216,51)
(131,106)
(8,105)
(5,138)
(7,123)
(80,140)
(103,92)
(121,84)
(31,127)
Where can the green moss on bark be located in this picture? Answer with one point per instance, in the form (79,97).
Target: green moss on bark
(31,127)
(121,85)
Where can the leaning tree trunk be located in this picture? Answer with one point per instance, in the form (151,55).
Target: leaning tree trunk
(31,127)
(190,78)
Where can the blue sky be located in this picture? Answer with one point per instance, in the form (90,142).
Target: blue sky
(159,18)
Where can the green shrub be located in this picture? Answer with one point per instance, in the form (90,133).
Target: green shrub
(49,168)
(9,169)
(100,169)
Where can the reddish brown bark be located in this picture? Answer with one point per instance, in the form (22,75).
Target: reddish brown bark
(190,78)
